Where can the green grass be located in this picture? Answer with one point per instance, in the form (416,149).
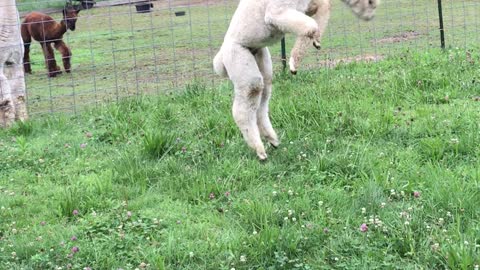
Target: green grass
(29,5)
(169,182)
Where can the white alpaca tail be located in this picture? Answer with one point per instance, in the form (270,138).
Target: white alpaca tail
(218,65)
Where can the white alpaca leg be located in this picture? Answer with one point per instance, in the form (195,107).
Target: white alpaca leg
(290,20)
(298,52)
(320,12)
(248,83)
(264,62)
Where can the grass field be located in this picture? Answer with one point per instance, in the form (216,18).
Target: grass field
(29,5)
(378,169)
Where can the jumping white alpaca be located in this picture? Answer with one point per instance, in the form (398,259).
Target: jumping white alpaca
(247,62)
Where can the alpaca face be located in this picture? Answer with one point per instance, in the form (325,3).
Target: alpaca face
(364,9)
(70,15)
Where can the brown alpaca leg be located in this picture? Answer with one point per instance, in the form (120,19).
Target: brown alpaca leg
(27,40)
(66,54)
(52,67)
(26,59)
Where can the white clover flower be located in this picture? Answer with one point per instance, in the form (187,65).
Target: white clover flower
(243,258)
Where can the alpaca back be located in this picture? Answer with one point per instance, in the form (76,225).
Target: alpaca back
(42,27)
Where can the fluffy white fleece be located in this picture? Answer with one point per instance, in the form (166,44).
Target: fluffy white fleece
(245,59)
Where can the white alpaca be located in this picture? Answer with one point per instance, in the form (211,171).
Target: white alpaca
(319,10)
(246,60)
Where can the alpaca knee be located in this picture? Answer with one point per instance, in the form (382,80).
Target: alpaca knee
(250,89)
(255,86)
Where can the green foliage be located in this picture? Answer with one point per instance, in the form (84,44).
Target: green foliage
(158,143)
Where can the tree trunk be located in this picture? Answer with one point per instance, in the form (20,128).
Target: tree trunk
(12,81)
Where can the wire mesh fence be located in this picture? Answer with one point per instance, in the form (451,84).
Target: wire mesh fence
(125,47)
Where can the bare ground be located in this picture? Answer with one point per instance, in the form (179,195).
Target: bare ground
(405,36)
(331,63)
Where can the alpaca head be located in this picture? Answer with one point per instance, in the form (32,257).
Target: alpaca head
(364,9)
(70,14)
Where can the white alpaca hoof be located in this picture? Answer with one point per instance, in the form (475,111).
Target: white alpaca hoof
(262,156)
(274,143)
(291,63)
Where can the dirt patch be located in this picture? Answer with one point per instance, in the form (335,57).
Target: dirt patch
(405,36)
(331,63)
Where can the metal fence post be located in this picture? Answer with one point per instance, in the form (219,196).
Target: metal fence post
(284,54)
(440,19)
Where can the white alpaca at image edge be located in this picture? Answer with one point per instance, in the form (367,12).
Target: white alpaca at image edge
(245,59)
(12,84)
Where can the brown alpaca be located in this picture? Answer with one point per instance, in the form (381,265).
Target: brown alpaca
(46,30)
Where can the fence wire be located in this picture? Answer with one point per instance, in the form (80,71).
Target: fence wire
(120,51)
